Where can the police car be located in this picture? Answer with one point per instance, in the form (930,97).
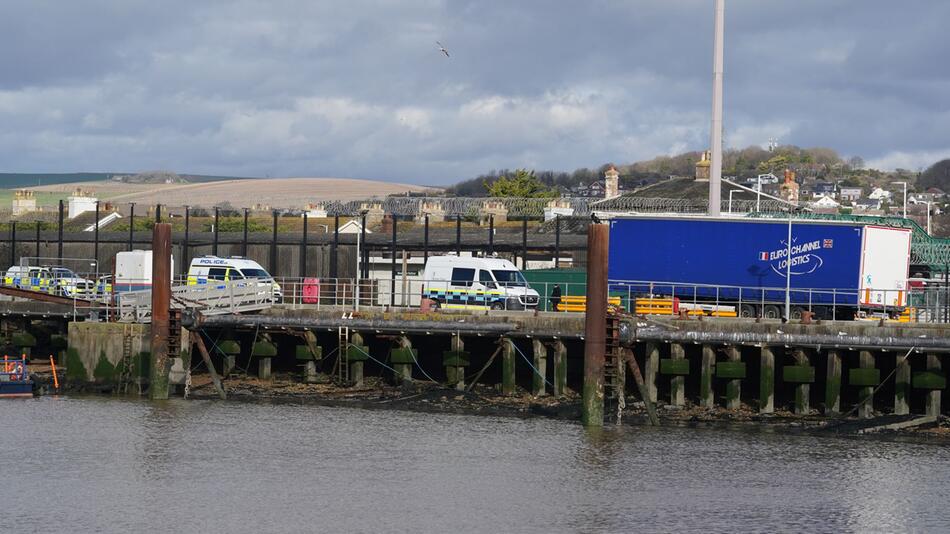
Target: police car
(54,280)
(209,269)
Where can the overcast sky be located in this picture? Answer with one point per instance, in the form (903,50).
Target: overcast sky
(360,89)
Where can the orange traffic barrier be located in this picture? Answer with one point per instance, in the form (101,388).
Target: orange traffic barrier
(52,364)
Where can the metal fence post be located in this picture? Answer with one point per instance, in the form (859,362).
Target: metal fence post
(59,239)
(392,252)
(95,236)
(491,234)
(557,240)
(303,248)
(334,250)
(425,241)
(186,246)
(214,233)
(458,235)
(244,241)
(524,242)
(131,225)
(273,247)
(13,243)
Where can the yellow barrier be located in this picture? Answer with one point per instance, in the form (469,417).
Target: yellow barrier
(578,303)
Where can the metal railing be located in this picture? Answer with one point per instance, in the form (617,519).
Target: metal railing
(112,299)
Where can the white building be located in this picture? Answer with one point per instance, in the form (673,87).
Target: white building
(826,203)
(880,194)
(81,202)
(316,212)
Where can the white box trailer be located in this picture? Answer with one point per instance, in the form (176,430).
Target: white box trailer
(133,270)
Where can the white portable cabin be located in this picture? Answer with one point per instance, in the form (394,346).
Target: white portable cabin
(133,270)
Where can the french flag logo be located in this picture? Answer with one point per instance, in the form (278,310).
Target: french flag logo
(764,256)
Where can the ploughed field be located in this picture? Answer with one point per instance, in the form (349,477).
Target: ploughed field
(273,192)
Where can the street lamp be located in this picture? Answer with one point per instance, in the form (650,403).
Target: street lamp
(788,266)
(731,191)
(905,196)
(929,203)
(356,290)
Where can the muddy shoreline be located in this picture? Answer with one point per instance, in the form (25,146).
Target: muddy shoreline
(487,401)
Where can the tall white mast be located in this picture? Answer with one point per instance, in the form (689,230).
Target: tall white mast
(715,166)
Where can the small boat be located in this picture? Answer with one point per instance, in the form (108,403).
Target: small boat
(15,379)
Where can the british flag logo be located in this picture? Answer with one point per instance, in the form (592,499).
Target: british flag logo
(764,256)
(828,243)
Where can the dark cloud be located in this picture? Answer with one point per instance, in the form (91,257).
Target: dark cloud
(360,89)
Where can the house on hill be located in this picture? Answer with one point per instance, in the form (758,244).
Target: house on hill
(850,193)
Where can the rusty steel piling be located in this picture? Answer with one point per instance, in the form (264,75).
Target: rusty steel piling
(595,327)
(161,302)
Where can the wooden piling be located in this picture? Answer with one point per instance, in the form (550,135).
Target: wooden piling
(766,380)
(161,304)
(833,384)
(678,382)
(507,367)
(902,376)
(933,396)
(866,394)
(706,391)
(540,354)
(560,368)
(734,385)
(595,326)
(651,369)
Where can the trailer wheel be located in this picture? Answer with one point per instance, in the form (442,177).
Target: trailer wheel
(771,311)
(747,311)
(796,313)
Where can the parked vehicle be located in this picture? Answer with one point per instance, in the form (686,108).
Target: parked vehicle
(468,282)
(843,265)
(49,279)
(133,271)
(208,269)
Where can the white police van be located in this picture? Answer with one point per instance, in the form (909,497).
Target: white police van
(49,279)
(481,283)
(210,269)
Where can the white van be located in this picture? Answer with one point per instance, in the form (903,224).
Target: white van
(481,283)
(212,268)
(133,270)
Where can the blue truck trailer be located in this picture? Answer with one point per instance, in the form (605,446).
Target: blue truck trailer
(836,269)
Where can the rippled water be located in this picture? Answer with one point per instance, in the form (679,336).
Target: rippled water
(107,465)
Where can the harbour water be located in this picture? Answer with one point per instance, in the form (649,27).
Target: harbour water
(93,464)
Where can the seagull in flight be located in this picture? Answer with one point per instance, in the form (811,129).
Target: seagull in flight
(442,49)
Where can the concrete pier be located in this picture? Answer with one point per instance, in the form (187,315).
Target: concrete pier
(678,382)
(455,362)
(734,385)
(403,358)
(766,380)
(560,368)
(356,355)
(902,377)
(803,386)
(507,366)
(833,383)
(866,382)
(932,403)
(651,369)
(706,392)
(540,353)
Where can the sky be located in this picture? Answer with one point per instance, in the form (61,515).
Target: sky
(360,89)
